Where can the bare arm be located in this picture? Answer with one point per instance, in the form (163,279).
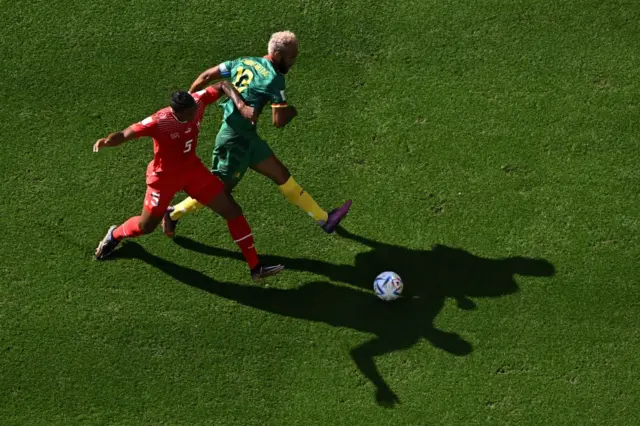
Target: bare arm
(227,88)
(282,115)
(114,139)
(230,91)
(205,78)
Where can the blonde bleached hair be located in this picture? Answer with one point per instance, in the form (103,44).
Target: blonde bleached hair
(281,41)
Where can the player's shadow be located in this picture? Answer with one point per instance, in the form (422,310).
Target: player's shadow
(430,277)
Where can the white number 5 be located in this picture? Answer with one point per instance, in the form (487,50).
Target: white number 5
(187,146)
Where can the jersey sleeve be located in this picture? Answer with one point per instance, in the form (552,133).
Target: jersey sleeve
(226,67)
(275,91)
(207,96)
(146,127)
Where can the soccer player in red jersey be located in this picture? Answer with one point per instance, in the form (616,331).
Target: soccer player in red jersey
(175,167)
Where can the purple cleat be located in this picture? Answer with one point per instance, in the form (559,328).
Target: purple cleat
(168,224)
(336,216)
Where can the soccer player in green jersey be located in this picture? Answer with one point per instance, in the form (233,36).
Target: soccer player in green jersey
(260,81)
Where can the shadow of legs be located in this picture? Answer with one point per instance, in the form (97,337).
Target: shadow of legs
(363,357)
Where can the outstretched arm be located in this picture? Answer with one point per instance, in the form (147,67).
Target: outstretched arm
(115,139)
(212,74)
(216,73)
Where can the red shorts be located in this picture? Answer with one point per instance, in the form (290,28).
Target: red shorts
(196,180)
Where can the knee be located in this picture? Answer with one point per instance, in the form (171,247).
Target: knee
(147,226)
(282,176)
(225,206)
(228,188)
(232,211)
(277,172)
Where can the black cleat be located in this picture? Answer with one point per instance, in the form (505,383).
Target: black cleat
(107,244)
(336,216)
(264,271)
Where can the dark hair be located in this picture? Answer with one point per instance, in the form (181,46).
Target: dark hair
(181,101)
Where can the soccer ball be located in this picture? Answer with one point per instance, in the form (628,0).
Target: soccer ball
(388,286)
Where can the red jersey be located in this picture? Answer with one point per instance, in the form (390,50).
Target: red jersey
(174,142)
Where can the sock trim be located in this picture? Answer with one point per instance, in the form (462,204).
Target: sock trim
(243,238)
(288,185)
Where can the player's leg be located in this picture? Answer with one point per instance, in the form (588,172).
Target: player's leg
(185,206)
(230,162)
(209,190)
(266,163)
(156,201)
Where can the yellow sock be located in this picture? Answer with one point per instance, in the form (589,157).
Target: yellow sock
(296,195)
(187,205)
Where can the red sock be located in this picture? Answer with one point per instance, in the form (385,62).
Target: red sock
(129,229)
(242,236)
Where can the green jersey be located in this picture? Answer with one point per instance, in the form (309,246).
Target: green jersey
(258,83)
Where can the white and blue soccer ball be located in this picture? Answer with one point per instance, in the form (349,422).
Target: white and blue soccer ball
(388,286)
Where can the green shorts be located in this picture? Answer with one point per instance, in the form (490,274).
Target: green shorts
(235,151)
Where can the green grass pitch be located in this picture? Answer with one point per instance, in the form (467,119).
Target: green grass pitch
(492,152)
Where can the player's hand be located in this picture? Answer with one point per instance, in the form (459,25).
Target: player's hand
(249,113)
(101,143)
(292,113)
